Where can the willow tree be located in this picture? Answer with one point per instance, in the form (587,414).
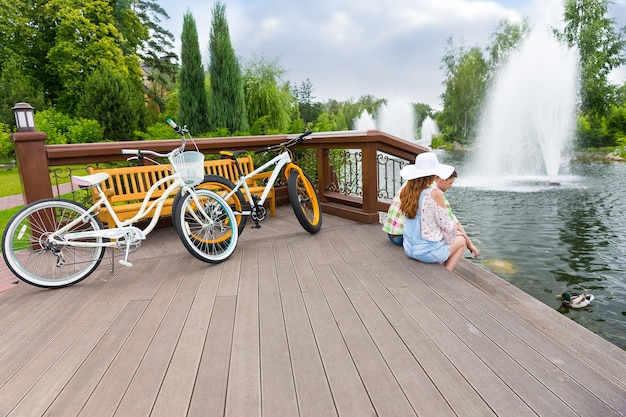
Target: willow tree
(269,102)
(227,106)
(192,99)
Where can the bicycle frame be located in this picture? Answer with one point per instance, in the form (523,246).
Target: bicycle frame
(283,159)
(122,227)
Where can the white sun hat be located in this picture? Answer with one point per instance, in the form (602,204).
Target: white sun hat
(426,164)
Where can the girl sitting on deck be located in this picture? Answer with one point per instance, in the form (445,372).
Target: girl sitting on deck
(430,234)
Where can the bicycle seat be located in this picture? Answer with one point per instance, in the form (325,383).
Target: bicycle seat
(89,180)
(230,154)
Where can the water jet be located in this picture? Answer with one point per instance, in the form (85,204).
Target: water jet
(530,114)
(429,129)
(395,118)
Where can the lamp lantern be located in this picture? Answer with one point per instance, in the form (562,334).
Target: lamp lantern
(24,117)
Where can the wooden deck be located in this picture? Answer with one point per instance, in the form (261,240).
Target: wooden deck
(340,323)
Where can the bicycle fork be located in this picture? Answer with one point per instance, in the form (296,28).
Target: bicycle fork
(208,213)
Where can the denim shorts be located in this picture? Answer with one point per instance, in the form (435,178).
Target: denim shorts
(428,252)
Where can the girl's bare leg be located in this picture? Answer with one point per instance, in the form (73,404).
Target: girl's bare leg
(456,251)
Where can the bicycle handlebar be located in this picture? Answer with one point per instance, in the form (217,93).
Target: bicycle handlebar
(177,129)
(139,152)
(183,130)
(298,139)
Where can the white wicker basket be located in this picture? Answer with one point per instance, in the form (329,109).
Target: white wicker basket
(190,165)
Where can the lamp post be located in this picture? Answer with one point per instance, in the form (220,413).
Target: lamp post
(24,117)
(30,153)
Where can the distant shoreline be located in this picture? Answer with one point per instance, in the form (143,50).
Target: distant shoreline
(597,156)
(576,156)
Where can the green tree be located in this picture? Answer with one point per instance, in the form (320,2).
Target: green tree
(601,48)
(6,146)
(14,28)
(507,37)
(371,104)
(309,110)
(468,74)
(24,43)
(616,122)
(16,86)
(133,32)
(192,99)
(227,106)
(59,43)
(422,110)
(267,96)
(84,35)
(115,101)
(156,52)
(466,83)
(326,122)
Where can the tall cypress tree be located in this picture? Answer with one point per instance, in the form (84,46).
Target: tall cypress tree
(192,100)
(227,107)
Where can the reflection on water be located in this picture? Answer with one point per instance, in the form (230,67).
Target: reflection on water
(549,239)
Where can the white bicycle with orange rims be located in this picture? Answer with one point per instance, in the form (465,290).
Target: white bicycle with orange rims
(302,194)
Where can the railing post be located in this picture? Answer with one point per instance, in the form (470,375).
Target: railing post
(32,164)
(323,172)
(370,182)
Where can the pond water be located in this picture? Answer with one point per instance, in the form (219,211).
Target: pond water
(549,239)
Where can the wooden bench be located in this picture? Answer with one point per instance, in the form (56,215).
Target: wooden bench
(127,187)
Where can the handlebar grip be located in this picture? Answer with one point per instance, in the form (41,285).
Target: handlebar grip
(130,151)
(174,126)
(305,134)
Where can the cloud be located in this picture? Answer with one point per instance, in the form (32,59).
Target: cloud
(389,49)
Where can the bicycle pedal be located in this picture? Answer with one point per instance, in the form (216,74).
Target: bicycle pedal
(125,263)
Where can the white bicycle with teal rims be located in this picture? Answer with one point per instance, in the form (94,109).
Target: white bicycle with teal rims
(55,243)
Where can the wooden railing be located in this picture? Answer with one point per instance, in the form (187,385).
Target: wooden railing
(34,158)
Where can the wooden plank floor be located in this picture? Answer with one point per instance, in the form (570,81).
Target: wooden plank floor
(339,323)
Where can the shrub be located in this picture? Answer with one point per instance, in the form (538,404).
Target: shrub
(85,131)
(158,131)
(6,146)
(62,129)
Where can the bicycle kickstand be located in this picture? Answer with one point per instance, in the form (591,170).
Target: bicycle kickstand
(121,261)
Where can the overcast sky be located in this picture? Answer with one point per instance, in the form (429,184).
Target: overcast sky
(349,48)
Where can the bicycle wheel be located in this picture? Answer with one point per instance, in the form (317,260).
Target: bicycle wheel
(221,186)
(34,259)
(210,240)
(304,200)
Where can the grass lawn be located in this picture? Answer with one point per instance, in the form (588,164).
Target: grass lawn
(5,216)
(10,184)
